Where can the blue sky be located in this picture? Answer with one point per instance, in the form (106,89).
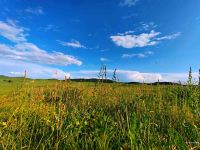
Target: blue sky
(145,40)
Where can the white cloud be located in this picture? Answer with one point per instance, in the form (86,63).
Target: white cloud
(136,76)
(129,32)
(103,50)
(17,73)
(73,43)
(11,67)
(130,16)
(148,26)
(126,33)
(59,74)
(50,27)
(141,40)
(144,77)
(27,51)
(12,32)
(170,37)
(131,41)
(104,59)
(36,11)
(183,77)
(128,2)
(32,53)
(139,55)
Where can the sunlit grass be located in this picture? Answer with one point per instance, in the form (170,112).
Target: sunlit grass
(68,115)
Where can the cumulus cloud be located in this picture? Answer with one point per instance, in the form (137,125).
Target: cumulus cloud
(11,67)
(138,55)
(36,10)
(73,44)
(26,51)
(130,41)
(135,76)
(141,40)
(128,2)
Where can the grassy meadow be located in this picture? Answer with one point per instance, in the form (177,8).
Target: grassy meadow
(52,114)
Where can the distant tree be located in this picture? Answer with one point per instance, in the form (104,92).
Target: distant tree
(190,76)
(199,76)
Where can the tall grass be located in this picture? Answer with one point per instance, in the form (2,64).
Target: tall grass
(101,116)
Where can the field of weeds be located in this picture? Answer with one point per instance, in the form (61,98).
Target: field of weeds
(101,116)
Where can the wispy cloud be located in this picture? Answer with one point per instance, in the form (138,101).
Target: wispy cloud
(130,16)
(148,26)
(12,32)
(141,26)
(138,55)
(17,73)
(72,43)
(5,11)
(75,20)
(103,59)
(36,10)
(142,40)
(127,32)
(170,37)
(103,50)
(26,51)
(128,3)
(50,27)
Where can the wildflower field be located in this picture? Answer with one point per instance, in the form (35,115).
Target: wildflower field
(52,114)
